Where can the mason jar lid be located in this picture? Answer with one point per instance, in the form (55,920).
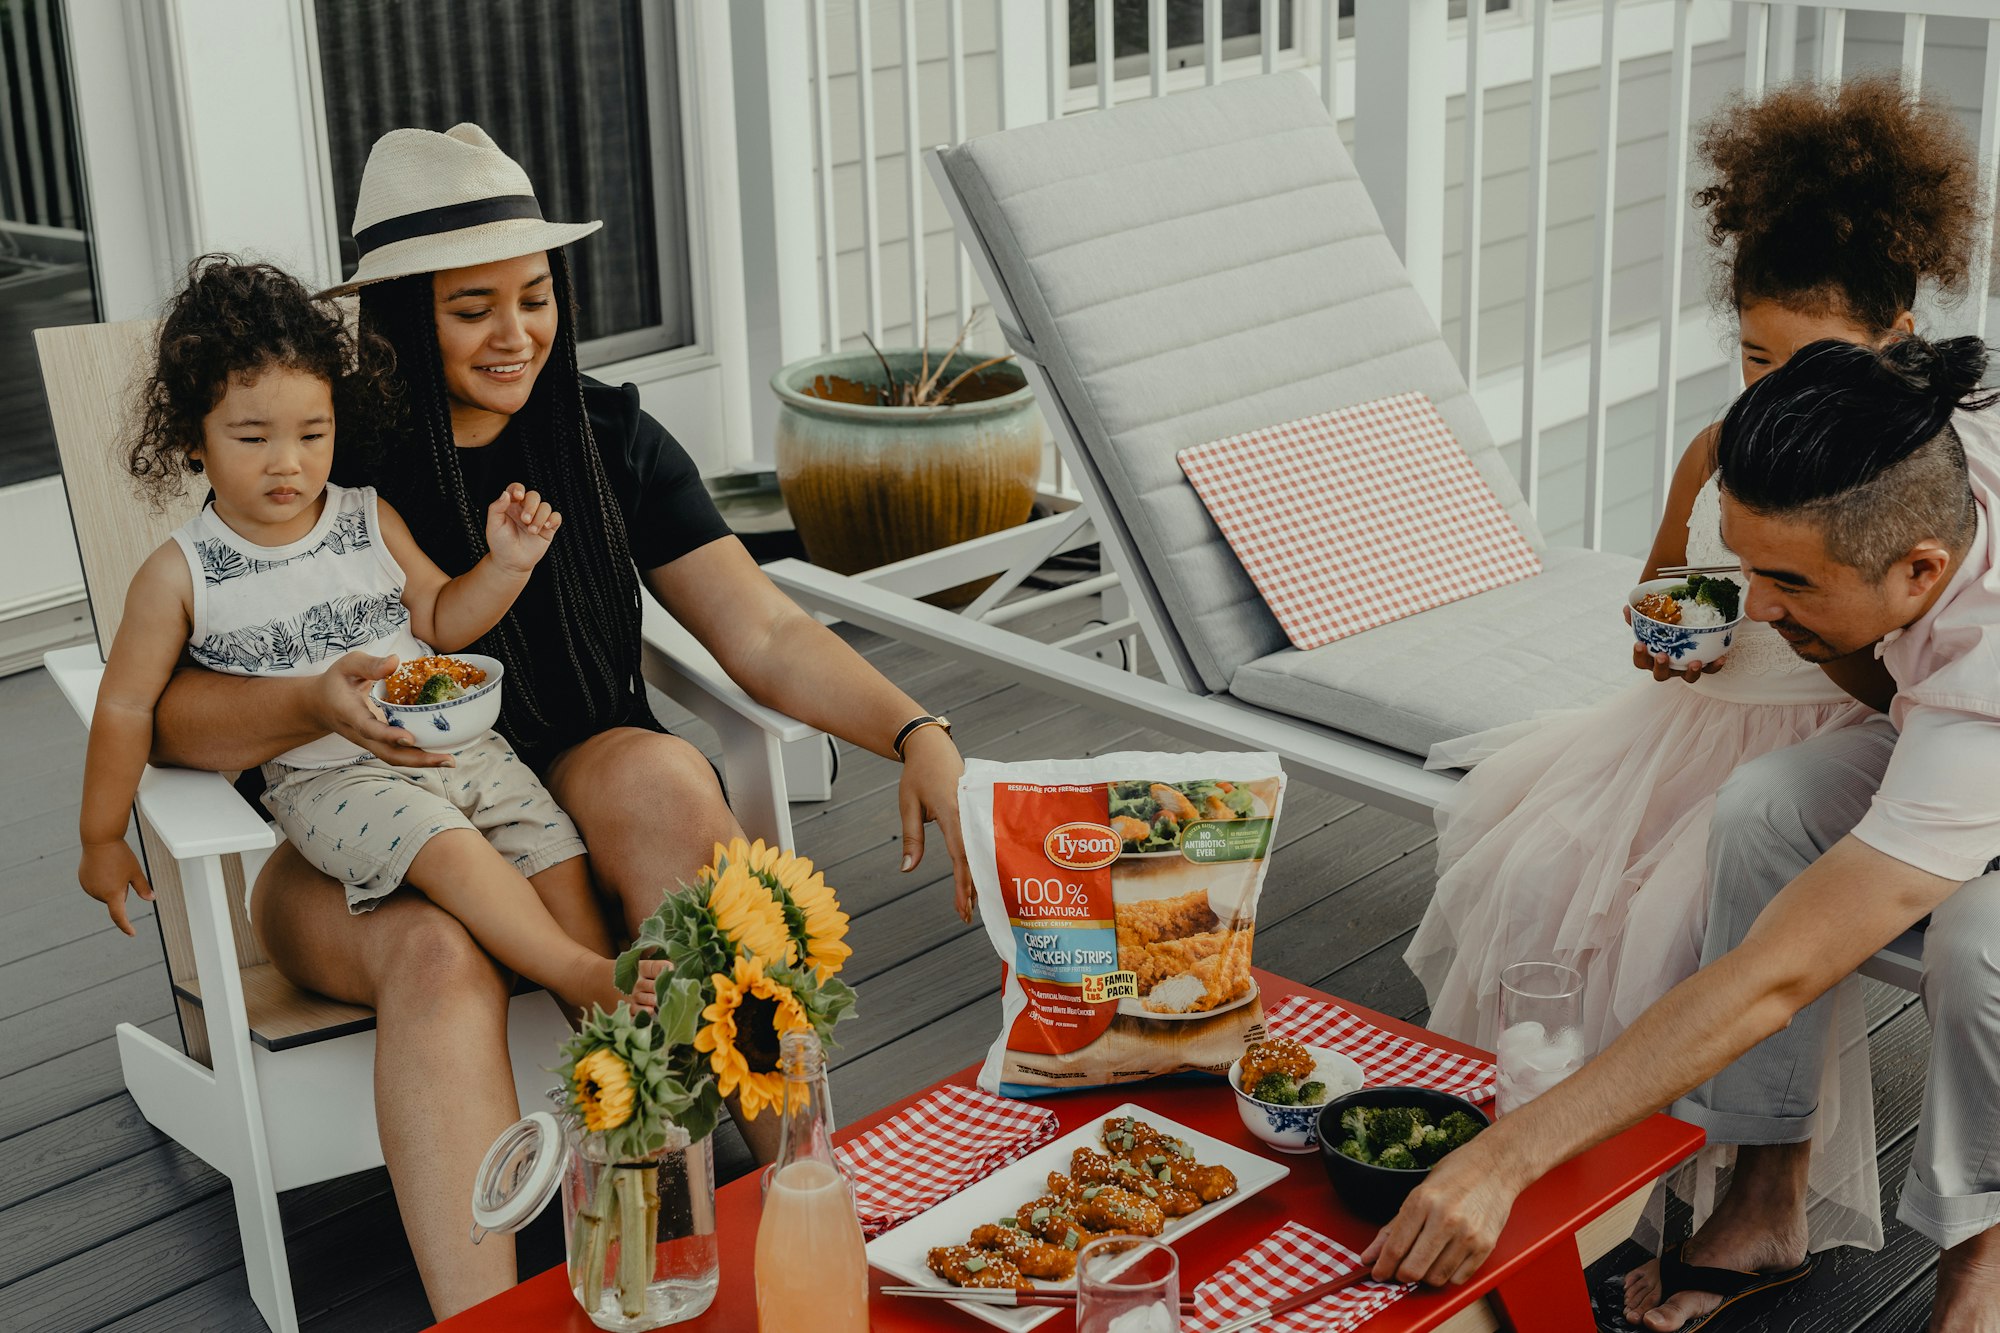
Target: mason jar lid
(518,1176)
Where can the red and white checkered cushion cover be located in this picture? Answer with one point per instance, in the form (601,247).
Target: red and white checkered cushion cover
(1355,518)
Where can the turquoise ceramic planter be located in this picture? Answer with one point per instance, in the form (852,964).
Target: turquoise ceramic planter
(868,485)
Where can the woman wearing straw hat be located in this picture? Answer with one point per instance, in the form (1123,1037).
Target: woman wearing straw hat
(467,282)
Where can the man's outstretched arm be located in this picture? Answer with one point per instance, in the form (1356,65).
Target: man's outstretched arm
(1827,922)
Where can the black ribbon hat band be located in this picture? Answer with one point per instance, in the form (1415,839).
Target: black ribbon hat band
(450,217)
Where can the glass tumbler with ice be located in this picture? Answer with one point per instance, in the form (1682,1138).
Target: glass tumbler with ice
(1127,1284)
(1541,1033)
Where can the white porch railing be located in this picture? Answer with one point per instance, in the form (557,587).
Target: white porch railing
(1423,71)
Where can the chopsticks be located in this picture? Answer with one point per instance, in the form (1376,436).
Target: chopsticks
(1290,1303)
(1067,1298)
(1003,1297)
(1674,571)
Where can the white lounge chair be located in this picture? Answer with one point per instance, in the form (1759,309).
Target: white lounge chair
(276,1088)
(1181,269)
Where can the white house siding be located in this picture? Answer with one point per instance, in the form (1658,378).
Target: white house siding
(1955,52)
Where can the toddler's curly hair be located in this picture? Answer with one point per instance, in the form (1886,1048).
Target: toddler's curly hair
(1840,199)
(232,319)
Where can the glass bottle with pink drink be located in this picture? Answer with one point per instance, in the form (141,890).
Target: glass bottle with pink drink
(812,1272)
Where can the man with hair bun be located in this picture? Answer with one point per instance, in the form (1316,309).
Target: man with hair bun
(1859,491)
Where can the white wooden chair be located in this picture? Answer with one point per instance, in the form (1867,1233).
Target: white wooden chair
(1177,270)
(275,1090)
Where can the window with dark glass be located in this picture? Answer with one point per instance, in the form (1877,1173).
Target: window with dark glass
(582,93)
(45,275)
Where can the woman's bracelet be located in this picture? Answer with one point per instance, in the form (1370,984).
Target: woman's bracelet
(916,724)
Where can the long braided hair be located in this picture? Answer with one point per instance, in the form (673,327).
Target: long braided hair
(589,565)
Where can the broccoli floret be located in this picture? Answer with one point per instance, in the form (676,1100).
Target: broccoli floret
(1357,1149)
(1431,1144)
(1459,1127)
(1355,1122)
(1396,1157)
(1312,1093)
(1393,1125)
(1278,1088)
(1722,594)
(439,688)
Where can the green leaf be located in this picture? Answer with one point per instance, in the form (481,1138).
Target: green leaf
(681,1003)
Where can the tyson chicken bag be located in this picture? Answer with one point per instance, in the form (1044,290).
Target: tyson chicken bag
(1121,894)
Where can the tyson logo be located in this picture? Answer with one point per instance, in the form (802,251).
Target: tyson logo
(1081,846)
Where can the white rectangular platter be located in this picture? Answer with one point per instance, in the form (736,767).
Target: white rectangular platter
(902,1251)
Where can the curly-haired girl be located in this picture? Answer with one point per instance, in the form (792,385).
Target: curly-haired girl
(281,573)
(1582,837)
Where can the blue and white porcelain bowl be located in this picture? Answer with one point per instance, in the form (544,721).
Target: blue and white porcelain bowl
(1296,1128)
(1683,644)
(453,722)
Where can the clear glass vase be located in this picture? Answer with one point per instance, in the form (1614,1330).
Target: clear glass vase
(615,1211)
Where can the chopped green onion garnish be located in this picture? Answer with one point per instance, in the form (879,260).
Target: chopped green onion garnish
(975,1264)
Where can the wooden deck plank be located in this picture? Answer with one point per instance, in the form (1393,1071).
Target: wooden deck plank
(45,878)
(90,1073)
(62,919)
(36,712)
(139,1268)
(1381,980)
(52,785)
(102,1206)
(51,833)
(1909,1311)
(219,1303)
(63,970)
(54,1154)
(44,1031)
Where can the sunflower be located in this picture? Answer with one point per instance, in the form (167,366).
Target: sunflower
(812,912)
(748,914)
(603,1089)
(741,1030)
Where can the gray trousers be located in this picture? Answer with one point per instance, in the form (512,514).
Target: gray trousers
(1773,818)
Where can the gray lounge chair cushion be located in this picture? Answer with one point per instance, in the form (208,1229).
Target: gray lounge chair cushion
(1198,266)
(1555,640)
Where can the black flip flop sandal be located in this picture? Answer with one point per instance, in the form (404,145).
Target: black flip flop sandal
(1741,1292)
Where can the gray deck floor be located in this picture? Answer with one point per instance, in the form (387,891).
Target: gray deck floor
(105,1224)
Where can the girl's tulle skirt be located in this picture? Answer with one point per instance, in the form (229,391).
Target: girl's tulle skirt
(1581,837)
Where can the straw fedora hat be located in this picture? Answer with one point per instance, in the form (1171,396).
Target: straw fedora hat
(433,201)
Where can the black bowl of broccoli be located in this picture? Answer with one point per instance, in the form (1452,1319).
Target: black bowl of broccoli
(1378,1144)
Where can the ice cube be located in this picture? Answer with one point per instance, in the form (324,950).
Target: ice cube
(1515,1042)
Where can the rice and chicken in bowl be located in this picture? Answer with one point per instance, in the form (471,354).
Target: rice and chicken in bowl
(1687,620)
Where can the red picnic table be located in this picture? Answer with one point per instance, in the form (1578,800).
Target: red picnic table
(1533,1283)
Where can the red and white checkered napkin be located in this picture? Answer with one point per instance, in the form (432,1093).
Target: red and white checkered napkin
(1285,1263)
(1355,518)
(949,1140)
(1383,1056)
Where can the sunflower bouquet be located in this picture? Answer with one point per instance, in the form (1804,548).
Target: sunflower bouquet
(754,947)
(753,950)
